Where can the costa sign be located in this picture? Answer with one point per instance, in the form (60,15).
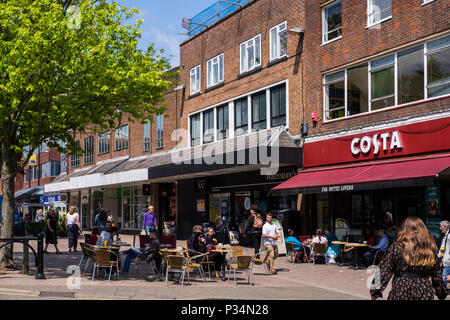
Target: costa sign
(385,141)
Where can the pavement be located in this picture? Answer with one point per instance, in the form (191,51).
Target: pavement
(299,281)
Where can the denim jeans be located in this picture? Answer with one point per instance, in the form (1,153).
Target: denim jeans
(148,229)
(131,254)
(445,273)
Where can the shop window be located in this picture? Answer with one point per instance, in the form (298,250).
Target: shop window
(195,130)
(278,105)
(241,116)
(278,43)
(259,111)
(251,54)
(438,67)
(410,75)
(208,126)
(222,122)
(378,11)
(382,74)
(357,93)
(335,95)
(332,21)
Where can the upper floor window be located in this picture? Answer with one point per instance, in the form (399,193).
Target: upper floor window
(103,142)
(278,105)
(89,150)
(278,43)
(75,160)
(259,111)
(121,138)
(159,131)
(403,77)
(215,71)
(222,122)
(241,116)
(147,135)
(251,54)
(332,21)
(208,126)
(195,80)
(378,11)
(195,130)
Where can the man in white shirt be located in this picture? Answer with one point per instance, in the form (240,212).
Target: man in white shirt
(271,235)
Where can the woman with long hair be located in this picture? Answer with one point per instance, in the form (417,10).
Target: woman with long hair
(412,261)
(73,228)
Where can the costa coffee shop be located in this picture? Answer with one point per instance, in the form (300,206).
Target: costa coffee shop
(376,178)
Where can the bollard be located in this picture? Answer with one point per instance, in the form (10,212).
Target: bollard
(40,258)
(26,265)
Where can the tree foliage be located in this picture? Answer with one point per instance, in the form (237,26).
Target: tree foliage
(65,66)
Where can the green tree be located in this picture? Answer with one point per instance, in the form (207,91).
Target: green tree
(66,66)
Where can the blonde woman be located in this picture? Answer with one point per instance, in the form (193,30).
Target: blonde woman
(73,228)
(412,262)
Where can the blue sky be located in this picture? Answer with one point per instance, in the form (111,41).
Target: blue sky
(162,22)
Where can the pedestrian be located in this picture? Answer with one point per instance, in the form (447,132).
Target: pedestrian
(444,250)
(149,223)
(110,217)
(100,220)
(51,229)
(271,236)
(253,228)
(73,228)
(40,215)
(413,264)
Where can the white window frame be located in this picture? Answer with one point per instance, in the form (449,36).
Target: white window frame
(369,10)
(378,68)
(211,63)
(159,131)
(326,83)
(147,135)
(120,142)
(277,55)
(245,47)
(103,143)
(325,32)
(195,74)
(88,143)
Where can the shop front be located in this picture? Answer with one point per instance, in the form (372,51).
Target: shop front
(376,179)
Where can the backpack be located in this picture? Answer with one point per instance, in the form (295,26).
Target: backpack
(257,222)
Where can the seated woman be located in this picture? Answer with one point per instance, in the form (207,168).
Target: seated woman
(319,238)
(367,235)
(200,246)
(299,252)
(94,236)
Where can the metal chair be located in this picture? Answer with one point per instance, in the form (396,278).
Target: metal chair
(290,252)
(243,264)
(378,254)
(88,253)
(319,250)
(193,264)
(177,264)
(103,259)
(261,260)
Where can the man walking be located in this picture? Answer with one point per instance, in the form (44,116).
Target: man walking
(444,250)
(271,235)
(149,223)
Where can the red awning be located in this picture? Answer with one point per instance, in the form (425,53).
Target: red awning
(341,178)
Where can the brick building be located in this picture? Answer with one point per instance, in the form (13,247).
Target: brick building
(376,80)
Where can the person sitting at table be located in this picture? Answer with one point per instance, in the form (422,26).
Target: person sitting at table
(107,236)
(94,236)
(151,252)
(319,238)
(196,230)
(382,245)
(211,243)
(299,252)
(367,235)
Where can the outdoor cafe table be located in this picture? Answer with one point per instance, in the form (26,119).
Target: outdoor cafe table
(357,247)
(224,250)
(344,243)
(115,247)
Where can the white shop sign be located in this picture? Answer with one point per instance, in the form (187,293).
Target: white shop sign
(376,142)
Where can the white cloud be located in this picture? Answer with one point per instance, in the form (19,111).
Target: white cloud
(170,42)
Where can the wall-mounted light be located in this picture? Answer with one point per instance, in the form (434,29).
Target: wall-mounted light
(296,31)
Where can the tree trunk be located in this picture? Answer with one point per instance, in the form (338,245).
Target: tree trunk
(8,169)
